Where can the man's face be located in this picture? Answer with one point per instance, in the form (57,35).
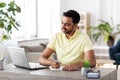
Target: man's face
(67,25)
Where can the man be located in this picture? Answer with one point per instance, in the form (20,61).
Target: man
(73,48)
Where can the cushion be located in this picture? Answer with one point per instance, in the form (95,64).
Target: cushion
(38,48)
(44,44)
(117,56)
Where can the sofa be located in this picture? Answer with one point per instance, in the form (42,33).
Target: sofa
(33,52)
(34,48)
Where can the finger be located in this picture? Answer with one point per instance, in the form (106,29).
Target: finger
(67,69)
(55,65)
(69,66)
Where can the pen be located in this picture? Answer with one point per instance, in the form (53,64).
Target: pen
(55,60)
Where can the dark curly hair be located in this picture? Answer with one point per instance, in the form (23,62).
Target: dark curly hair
(73,14)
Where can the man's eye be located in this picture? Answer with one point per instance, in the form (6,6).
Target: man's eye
(67,25)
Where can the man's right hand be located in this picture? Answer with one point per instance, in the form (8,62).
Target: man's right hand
(55,64)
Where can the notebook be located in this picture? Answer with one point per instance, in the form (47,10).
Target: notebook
(19,59)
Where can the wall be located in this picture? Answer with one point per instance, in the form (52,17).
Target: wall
(80,6)
(99,9)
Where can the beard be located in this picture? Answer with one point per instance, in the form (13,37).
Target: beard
(65,31)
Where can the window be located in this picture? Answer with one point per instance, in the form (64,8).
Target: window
(27,18)
(39,18)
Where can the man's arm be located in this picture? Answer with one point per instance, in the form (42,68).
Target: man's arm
(89,55)
(44,58)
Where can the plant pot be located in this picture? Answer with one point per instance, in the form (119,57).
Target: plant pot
(3,50)
(84,71)
(110,41)
(2,64)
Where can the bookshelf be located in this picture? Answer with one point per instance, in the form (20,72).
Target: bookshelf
(84,23)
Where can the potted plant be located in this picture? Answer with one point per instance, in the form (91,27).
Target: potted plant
(8,22)
(107,30)
(7,19)
(85,68)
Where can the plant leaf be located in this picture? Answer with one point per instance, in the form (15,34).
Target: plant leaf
(2,4)
(9,27)
(1,25)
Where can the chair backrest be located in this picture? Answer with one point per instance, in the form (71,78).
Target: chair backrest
(117,46)
(114,50)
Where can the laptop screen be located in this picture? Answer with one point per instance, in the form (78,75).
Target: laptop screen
(19,59)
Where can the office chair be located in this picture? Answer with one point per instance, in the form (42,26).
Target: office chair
(114,53)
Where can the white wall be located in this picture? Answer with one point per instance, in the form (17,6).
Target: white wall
(81,6)
(99,9)
(116,11)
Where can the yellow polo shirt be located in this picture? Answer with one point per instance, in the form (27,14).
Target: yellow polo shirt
(70,50)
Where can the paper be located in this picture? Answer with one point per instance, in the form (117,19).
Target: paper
(60,68)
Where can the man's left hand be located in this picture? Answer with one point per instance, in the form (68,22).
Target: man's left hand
(70,67)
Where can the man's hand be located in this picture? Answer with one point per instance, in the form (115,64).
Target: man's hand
(55,64)
(70,67)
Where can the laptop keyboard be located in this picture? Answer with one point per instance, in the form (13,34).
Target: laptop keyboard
(36,66)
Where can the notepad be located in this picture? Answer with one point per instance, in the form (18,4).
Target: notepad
(60,68)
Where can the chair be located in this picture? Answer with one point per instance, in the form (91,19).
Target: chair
(114,53)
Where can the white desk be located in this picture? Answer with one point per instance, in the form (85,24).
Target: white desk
(11,72)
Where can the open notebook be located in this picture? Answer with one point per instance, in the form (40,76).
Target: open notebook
(19,59)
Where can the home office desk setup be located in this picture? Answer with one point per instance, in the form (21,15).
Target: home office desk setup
(11,72)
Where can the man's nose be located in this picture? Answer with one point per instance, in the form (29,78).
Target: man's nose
(63,25)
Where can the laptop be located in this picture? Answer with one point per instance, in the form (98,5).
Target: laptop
(19,59)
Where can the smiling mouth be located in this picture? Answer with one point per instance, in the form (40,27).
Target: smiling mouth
(64,29)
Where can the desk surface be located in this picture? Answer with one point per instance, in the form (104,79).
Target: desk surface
(11,72)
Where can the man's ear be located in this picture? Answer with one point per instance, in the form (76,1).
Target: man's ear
(76,25)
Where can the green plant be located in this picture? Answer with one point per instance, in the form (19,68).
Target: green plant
(7,19)
(105,29)
(86,64)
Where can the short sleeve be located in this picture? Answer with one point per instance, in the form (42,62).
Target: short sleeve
(87,44)
(51,43)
